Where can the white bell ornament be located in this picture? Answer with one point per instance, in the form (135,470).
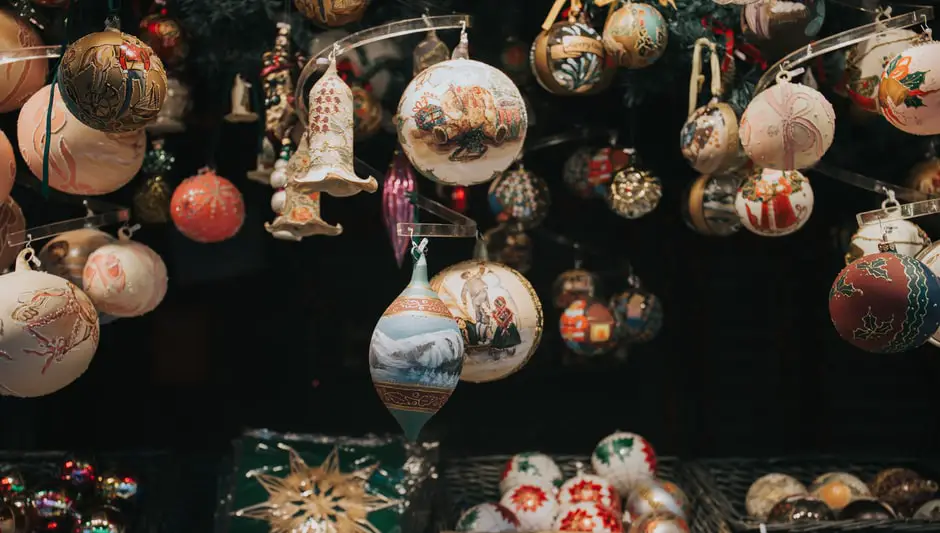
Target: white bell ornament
(125,278)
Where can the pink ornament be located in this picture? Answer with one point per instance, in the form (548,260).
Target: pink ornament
(588,517)
(7,167)
(207,208)
(397,189)
(20,79)
(125,278)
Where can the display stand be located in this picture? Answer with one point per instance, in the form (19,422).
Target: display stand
(97,214)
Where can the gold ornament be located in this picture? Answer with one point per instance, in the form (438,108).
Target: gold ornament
(430,51)
(634,193)
(367,113)
(318,499)
(569,58)
(152,198)
(332,13)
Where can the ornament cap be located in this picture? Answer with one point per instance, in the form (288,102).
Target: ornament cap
(419,276)
(26,260)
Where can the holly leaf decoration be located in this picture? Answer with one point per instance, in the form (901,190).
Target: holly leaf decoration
(622,445)
(843,288)
(602,452)
(872,328)
(913,101)
(526,466)
(469,520)
(914,80)
(876,268)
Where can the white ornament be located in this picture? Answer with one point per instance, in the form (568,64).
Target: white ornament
(624,459)
(125,278)
(589,488)
(278,178)
(764,493)
(909,90)
(533,505)
(774,203)
(589,517)
(487,518)
(907,237)
(277,201)
(533,468)
(865,62)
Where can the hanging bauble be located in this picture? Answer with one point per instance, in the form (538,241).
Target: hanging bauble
(773,203)
(519,196)
(152,201)
(367,113)
(11,221)
(925,177)
(12,484)
(865,62)
(908,239)
(164,35)
(332,13)
(659,522)
(375,61)
(514,61)
(53,510)
(589,488)
(569,59)
(636,35)
(487,518)
(909,91)
(624,459)
(207,207)
(930,256)
(117,489)
(530,468)
(78,475)
(708,205)
(112,81)
(650,495)
(589,171)
(589,517)
(885,303)
(105,519)
(430,51)
(769,489)
(839,489)
(461,122)
(82,160)
(779,27)
(534,506)
(65,255)
(417,351)
(172,115)
(7,167)
(710,141)
(634,192)
(639,314)
(574,284)
(498,313)
(21,79)
(787,127)
(125,278)
(588,327)
(510,245)
(51,334)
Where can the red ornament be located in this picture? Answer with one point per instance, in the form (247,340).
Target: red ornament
(165,35)
(207,208)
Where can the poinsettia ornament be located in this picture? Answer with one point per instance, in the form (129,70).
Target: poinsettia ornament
(624,459)
(531,468)
(589,488)
(533,505)
(588,517)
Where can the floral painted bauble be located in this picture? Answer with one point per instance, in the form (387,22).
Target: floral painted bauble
(924,177)
(66,255)
(498,313)
(787,127)
(634,193)
(11,221)
(709,140)
(588,327)
(773,203)
(207,208)
(636,35)
(588,517)
(112,81)
(908,239)
(588,172)
(416,354)
(82,160)
(574,284)
(487,518)
(800,508)
(651,495)
(778,27)
(332,13)
(510,245)
(769,489)
(21,79)
(125,278)
(865,62)
(639,315)
(7,167)
(909,91)
(708,206)
(569,59)
(624,459)
(838,489)
(885,303)
(164,35)
(930,256)
(530,468)
(461,122)
(589,488)
(50,331)
(519,196)
(659,522)
(534,506)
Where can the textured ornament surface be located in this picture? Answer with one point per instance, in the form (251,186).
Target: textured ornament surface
(624,459)
(21,79)
(487,518)
(709,140)
(865,62)
(650,495)
(774,203)
(65,255)
(461,122)
(634,193)
(908,239)
(397,208)
(7,167)
(534,506)
(11,221)
(574,284)
(838,489)
(787,127)
(530,468)
(885,303)
(589,488)
(638,313)
(769,489)
(125,278)
(332,13)
(207,208)
(800,508)
(660,522)
(588,517)
(636,35)
(909,91)
(588,327)
(708,206)
(82,160)
(519,196)
(569,58)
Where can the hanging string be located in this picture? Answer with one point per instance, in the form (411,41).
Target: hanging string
(52,88)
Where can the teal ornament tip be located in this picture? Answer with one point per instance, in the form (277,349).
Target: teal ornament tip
(411,422)
(419,275)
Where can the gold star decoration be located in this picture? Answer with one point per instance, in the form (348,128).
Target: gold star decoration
(317,499)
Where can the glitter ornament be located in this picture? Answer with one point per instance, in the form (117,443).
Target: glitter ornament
(659,522)
(569,59)
(533,505)
(906,237)
(589,488)
(636,35)
(651,495)
(20,79)
(588,172)
(708,206)
(530,468)
(800,508)
(769,489)
(909,91)
(624,459)
(588,517)
(11,221)
(397,208)
(773,203)
(510,245)
(487,518)
(588,327)
(574,284)
(521,197)
(66,254)
(838,489)
(332,13)
(865,62)
(7,167)
(207,207)
(634,193)
(639,315)
(125,278)
(885,303)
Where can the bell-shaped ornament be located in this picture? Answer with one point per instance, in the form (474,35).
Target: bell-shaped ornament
(417,352)
(175,106)
(241,102)
(330,139)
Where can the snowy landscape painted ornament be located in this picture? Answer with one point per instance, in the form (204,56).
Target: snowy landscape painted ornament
(417,352)
(865,62)
(709,140)
(569,58)
(639,315)
(908,239)
(773,203)
(788,126)
(909,91)
(50,331)
(885,303)
(519,196)
(660,522)
(207,207)
(498,313)
(588,517)
(708,206)
(534,506)
(461,122)
(589,488)
(588,327)
(487,518)
(66,254)
(650,495)
(636,35)
(624,459)
(125,278)
(531,468)
(769,489)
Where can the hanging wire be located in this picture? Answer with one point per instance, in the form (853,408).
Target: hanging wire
(52,87)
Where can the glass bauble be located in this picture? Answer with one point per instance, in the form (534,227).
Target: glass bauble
(909,90)
(125,278)
(778,27)
(634,193)
(487,517)
(710,141)
(906,237)
(572,285)
(11,221)
(625,459)
(589,171)
(651,494)
(207,208)
(636,35)
(708,205)
(588,516)
(838,489)
(772,203)
(769,489)
(66,255)
(639,315)
(530,468)
(589,488)
(588,327)
(20,79)
(520,197)
(332,13)
(569,59)
(865,62)
(800,508)
(164,35)
(660,522)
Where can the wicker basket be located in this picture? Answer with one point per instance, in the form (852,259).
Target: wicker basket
(722,485)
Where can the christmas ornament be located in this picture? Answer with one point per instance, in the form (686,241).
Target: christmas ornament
(104,519)
(11,221)
(909,91)
(367,113)
(172,115)
(164,35)
(152,198)
(13,517)
(510,245)
(533,505)
(397,208)
(908,238)
(279,115)
(885,303)
(634,193)
(332,13)
(636,35)
(708,206)
(65,255)
(572,285)
(903,489)
(11,485)
(576,174)
(865,62)
(651,495)
(78,477)
(788,126)
(279,177)
(568,58)
(773,203)
(429,51)
(52,510)
(588,172)
(320,498)
(374,63)
(838,489)
(207,207)
(530,468)
(589,517)
(82,160)
(112,81)
(116,489)
(769,489)
(588,327)
(330,140)
(639,314)
(778,27)
(416,353)
(624,459)
(930,256)
(487,518)
(7,167)
(925,177)
(241,112)
(799,508)
(867,509)
(461,122)
(514,61)
(20,79)
(589,488)
(498,313)
(125,278)
(518,195)
(659,522)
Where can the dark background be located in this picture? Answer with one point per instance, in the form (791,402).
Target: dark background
(256,332)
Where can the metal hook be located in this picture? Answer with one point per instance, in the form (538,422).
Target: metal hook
(29,241)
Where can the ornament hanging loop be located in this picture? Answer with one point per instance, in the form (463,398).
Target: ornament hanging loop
(462,50)
(126,231)
(882,13)
(697,79)
(891,202)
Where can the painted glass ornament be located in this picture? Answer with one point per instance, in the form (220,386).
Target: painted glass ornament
(53,510)
(569,58)
(367,113)
(487,518)
(164,35)
(769,489)
(397,208)
(588,327)
(634,193)
(773,203)
(588,517)
(709,140)
(533,505)
(659,522)
(66,255)
(332,13)
(416,353)
(799,508)
(207,207)
(430,51)
(498,313)
(708,206)
(778,27)
(930,256)
(510,245)
(11,221)
(624,459)
(925,177)
(865,62)
(906,237)
(530,468)
(636,35)
(838,489)
(519,196)
(589,488)
(589,171)
(574,284)
(7,167)
(125,278)
(909,91)
(902,489)
(885,303)
(639,315)
(21,79)
(650,495)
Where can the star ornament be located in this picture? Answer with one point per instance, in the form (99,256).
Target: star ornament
(318,499)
